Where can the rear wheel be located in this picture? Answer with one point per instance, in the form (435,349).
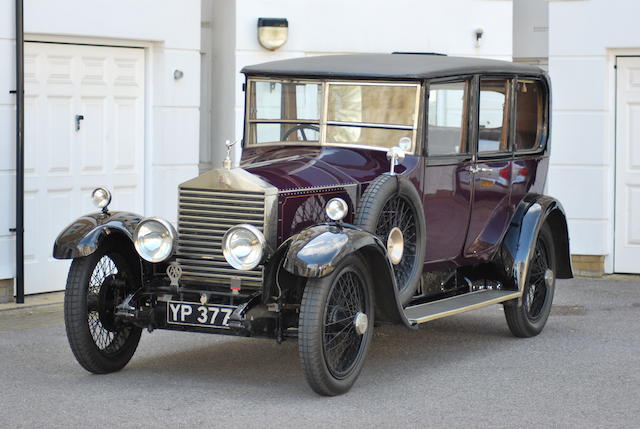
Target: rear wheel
(528,319)
(96,285)
(336,327)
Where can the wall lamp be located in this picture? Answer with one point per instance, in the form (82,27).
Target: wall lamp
(272,32)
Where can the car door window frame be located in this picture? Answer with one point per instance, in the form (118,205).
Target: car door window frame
(470,100)
(544,133)
(508,152)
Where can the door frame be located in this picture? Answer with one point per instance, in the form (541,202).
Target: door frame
(148,98)
(612,143)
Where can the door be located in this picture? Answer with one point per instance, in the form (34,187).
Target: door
(491,208)
(627,209)
(447,180)
(84,127)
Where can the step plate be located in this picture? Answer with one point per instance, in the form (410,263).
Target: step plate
(458,304)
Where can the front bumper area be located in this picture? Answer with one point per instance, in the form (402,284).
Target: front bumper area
(148,308)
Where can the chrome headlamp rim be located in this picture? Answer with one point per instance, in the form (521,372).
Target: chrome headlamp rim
(173,235)
(102,203)
(336,209)
(234,261)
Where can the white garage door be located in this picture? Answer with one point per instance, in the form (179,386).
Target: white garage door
(84,127)
(627,234)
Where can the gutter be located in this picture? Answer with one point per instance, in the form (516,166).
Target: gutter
(19,229)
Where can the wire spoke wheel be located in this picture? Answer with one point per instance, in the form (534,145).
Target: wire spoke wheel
(96,285)
(335,326)
(391,209)
(536,291)
(528,317)
(399,213)
(103,294)
(342,344)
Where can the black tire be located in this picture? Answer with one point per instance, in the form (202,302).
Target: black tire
(95,285)
(528,319)
(378,213)
(331,350)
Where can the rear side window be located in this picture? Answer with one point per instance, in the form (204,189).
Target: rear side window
(493,119)
(448,107)
(530,111)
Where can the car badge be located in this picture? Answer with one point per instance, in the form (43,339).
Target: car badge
(226,164)
(174,271)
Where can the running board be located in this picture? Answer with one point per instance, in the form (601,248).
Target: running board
(422,313)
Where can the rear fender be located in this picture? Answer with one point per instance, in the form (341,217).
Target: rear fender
(318,250)
(520,240)
(83,236)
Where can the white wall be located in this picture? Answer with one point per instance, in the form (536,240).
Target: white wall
(170,32)
(531,29)
(338,26)
(583,39)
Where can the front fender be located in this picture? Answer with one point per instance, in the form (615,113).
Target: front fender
(520,241)
(82,237)
(318,250)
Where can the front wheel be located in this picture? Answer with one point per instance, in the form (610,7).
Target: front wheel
(529,318)
(336,327)
(96,285)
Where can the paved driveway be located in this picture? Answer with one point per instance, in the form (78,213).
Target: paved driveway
(463,371)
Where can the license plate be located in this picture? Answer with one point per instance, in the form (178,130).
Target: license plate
(194,314)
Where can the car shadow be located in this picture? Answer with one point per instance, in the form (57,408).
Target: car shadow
(246,364)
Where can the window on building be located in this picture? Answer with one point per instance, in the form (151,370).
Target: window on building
(493,118)
(447,130)
(530,110)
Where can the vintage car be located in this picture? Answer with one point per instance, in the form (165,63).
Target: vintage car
(384,188)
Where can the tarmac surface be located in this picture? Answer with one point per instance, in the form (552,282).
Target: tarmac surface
(462,371)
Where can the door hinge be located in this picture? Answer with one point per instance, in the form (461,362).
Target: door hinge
(13,230)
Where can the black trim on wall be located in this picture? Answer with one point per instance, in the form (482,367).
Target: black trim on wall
(19,152)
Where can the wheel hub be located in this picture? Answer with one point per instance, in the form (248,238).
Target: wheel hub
(548,277)
(395,245)
(361,323)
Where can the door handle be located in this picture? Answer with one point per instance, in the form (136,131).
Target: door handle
(78,119)
(475,169)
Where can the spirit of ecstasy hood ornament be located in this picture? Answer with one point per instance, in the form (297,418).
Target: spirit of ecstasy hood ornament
(226,164)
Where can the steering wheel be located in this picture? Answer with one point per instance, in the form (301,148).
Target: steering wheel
(299,127)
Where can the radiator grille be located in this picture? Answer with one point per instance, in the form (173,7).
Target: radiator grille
(203,217)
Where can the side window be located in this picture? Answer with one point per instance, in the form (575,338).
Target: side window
(493,118)
(530,110)
(447,131)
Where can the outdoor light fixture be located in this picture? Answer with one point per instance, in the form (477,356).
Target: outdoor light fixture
(478,33)
(272,32)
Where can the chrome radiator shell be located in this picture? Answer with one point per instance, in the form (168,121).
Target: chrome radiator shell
(208,206)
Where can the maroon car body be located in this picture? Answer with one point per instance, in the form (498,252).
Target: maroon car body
(405,187)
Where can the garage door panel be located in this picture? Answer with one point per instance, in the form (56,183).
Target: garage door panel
(33,225)
(106,86)
(93,72)
(125,128)
(627,208)
(32,115)
(633,226)
(127,198)
(633,130)
(92,136)
(59,69)
(632,81)
(58,131)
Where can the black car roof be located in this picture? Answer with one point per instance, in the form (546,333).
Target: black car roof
(386,66)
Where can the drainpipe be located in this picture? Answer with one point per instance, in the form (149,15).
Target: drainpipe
(19,152)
